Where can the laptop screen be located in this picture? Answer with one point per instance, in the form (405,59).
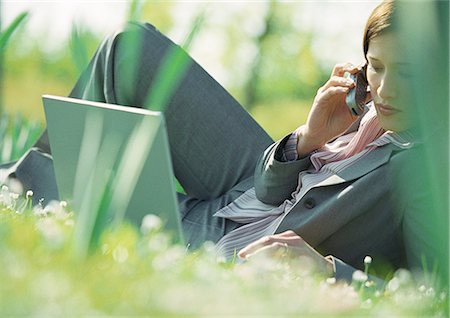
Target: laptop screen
(112,157)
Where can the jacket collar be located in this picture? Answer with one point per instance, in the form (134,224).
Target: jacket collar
(370,162)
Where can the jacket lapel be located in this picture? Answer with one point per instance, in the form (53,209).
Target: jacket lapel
(370,162)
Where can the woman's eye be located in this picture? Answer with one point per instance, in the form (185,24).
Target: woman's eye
(375,68)
(405,73)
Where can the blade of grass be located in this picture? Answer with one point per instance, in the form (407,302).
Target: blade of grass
(97,158)
(78,49)
(172,70)
(198,24)
(103,179)
(132,162)
(82,191)
(15,135)
(135,9)
(3,126)
(6,149)
(170,74)
(6,35)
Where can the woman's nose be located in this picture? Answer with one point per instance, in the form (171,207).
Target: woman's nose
(388,88)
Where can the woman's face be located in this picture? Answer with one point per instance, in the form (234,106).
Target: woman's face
(388,74)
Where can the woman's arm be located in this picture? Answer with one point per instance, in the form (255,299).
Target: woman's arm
(329,117)
(276,179)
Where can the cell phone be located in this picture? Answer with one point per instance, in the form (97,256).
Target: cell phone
(356,97)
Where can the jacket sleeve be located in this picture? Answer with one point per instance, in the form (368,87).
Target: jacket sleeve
(275,179)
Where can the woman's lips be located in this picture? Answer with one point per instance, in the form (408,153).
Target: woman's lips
(386,110)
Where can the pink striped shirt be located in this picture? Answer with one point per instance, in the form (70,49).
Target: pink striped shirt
(262,219)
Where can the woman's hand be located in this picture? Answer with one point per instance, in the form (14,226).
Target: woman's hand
(286,245)
(329,116)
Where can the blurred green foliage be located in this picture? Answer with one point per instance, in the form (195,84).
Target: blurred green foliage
(5,36)
(428,49)
(78,47)
(17,135)
(32,71)
(285,66)
(288,72)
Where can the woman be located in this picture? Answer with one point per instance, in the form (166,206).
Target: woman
(371,211)
(301,193)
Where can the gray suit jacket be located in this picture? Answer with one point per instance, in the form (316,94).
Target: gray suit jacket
(375,208)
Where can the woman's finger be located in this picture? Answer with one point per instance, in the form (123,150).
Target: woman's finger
(334,91)
(277,249)
(258,244)
(288,238)
(336,81)
(288,233)
(340,69)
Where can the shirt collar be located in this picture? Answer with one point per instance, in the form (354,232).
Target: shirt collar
(404,139)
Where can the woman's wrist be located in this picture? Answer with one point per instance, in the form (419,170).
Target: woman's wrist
(305,144)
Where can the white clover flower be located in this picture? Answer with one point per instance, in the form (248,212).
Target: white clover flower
(367,303)
(14,196)
(38,209)
(63,204)
(52,207)
(430,292)
(359,276)
(209,247)
(15,186)
(120,254)
(331,280)
(5,196)
(393,284)
(158,242)
(168,258)
(369,283)
(367,260)
(69,222)
(51,231)
(150,223)
(221,259)
(29,194)
(404,276)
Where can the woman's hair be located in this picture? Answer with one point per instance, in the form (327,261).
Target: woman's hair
(379,22)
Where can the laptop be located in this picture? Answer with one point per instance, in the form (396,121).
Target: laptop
(113,158)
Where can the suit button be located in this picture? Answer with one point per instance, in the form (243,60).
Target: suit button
(309,203)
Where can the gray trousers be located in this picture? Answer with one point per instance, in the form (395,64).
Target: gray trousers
(214,142)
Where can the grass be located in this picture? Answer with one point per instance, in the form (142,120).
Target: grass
(137,272)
